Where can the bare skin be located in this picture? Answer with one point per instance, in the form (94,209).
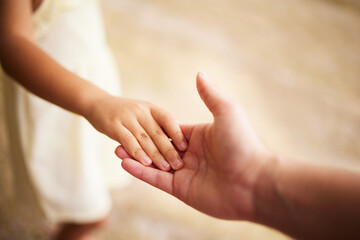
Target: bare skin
(137,125)
(142,128)
(36,4)
(230,174)
(69,231)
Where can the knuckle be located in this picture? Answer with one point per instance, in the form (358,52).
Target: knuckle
(127,139)
(170,153)
(157,156)
(149,104)
(158,179)
(137,152)
(113,119)
(143,137)
(158,133)
(140,108)
(178,136)
(166,117)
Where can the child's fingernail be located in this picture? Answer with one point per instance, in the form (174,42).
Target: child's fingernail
(147,161)
(165,164)
(183,146)
(177,163)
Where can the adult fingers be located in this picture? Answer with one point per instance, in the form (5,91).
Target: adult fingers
(155,177)
(212,97)
(121,152)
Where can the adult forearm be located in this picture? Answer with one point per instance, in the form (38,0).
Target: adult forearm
(25,63)
(308,201)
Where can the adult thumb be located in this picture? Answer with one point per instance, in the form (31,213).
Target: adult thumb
(211,96)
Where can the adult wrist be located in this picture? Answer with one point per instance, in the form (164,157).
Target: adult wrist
(265,193)
(256,185)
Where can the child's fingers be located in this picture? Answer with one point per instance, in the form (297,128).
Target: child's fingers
(171,127)
(148,145)
(122,154)
(132,146)
(163,143)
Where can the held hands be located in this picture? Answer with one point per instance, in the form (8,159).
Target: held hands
(228,173)
(222,161)
(142,128)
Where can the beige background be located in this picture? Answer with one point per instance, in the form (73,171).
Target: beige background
(293,65)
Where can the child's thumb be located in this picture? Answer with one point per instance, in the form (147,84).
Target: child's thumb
(211,96)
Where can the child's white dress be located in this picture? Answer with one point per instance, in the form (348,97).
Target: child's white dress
(62,151)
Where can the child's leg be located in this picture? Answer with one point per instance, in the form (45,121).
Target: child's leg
(76,231)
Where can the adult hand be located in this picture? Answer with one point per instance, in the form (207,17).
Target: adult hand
(221,163)
(228,173)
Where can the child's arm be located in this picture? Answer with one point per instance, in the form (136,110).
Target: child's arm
(136,125)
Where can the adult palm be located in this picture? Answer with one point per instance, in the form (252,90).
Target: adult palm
(222,161)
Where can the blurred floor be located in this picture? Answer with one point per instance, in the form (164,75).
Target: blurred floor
(294,65)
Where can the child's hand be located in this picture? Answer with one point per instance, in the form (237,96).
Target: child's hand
(142,128)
